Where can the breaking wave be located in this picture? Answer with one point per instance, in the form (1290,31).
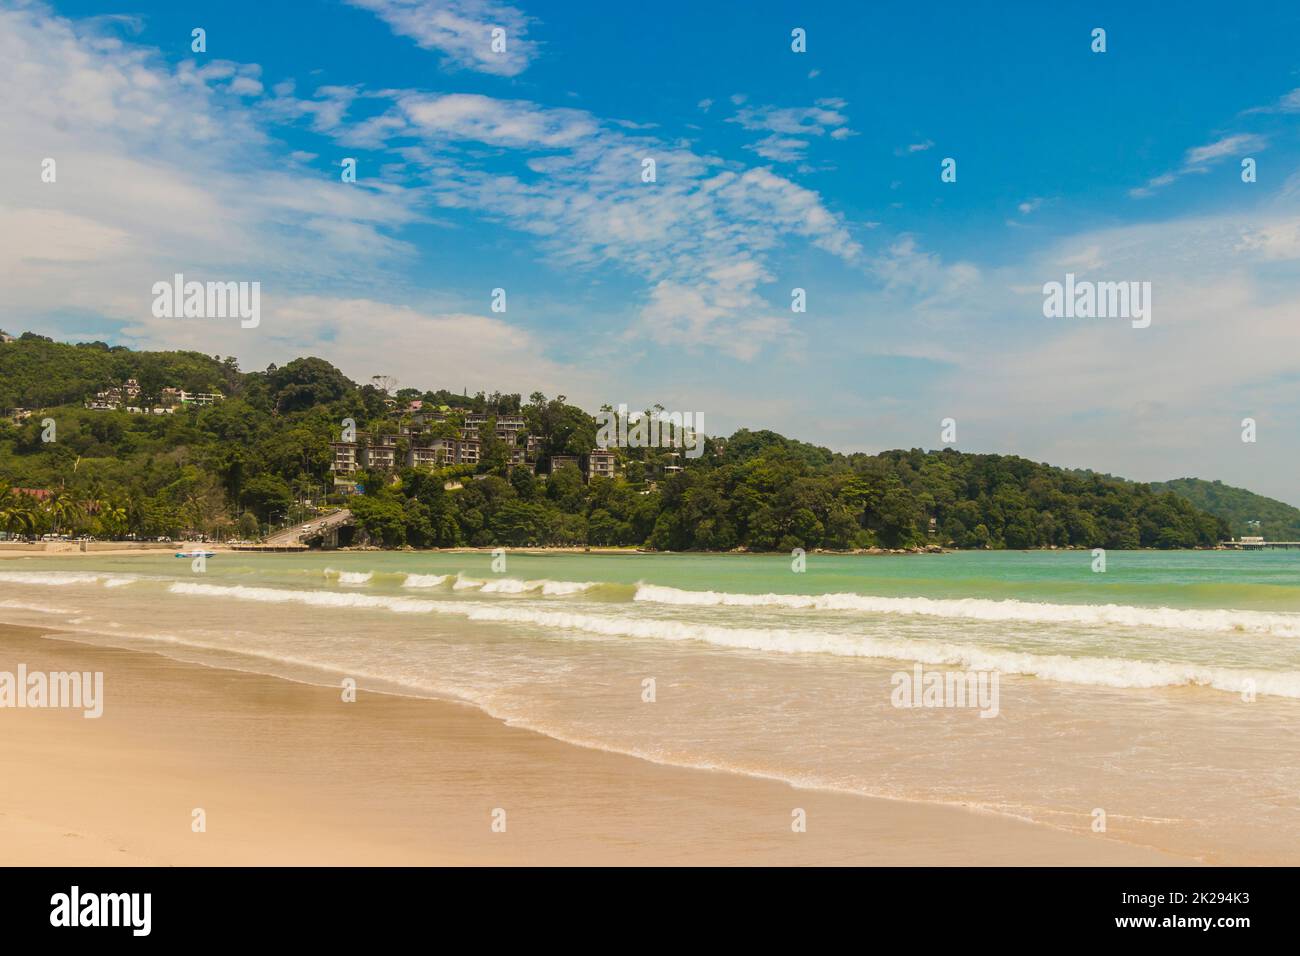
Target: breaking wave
(64,578)
(1094,671)
(423,580)
(516,586)
(350,577)
(982,609)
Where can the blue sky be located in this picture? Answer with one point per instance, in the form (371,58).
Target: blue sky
(775,170)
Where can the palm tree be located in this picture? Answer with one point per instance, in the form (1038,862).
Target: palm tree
(17,515)
(62,509)
(112,519)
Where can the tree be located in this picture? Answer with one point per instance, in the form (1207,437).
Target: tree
(268,497)
(63,511)
(247,459)
(381,518)
(247,526)
(306,382)
(17,513)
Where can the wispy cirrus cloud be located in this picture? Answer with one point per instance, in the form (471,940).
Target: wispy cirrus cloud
(161,169)
(462,31)
(701,235)
(1199,159)
(450,117)
(165,169)
(914,148)
(136,202)
(1286,103)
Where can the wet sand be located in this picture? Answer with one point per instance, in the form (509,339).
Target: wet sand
(287,773)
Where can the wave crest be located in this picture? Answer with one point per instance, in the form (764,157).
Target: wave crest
(1094,671)
(983,609)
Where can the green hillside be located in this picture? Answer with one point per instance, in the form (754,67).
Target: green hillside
(261,456)
(1278,521)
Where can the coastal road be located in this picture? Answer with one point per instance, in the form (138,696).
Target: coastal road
(294,536)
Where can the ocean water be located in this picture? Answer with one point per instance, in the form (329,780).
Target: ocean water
(1163,694)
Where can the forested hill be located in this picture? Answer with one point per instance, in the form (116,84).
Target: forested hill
(260,456)
(1278,521)
(38,373)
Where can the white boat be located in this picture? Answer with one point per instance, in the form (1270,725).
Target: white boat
(196,554)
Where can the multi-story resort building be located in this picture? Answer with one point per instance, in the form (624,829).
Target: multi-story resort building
(423,450)
(434,455)
(441,452)
(115,397)
(126,397)
(468,452)
(600,464)
(508,427)
(199,398)
(380,454)
(417,422)
(344,460)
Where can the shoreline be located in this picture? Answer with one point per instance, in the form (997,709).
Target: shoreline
(287,773)
(8,550)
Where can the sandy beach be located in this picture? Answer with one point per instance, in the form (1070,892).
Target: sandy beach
(287,773)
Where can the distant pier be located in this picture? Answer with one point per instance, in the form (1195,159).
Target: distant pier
(1258,544)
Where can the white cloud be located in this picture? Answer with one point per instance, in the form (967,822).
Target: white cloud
(159,170)
(1202,156)
(1199,159)
(1288,103)
(789,126)
(780,149)
(325,110)
(461,30)
(1277,241)
(915,147)
(465,116)
(1149,403)
(165,170)
(803,121)
(581,192)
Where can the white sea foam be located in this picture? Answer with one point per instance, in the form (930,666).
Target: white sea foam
(331,599)
(423,580)
(508,586)
(39,608)
(63,578)
(561,588)
(982,609)
(1096,671)
(350,577)
(553,588)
